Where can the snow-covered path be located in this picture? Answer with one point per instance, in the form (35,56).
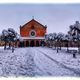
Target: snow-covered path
(47,66)
(38,61)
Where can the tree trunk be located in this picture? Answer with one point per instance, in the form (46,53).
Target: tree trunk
(78,47)
(67,47)
(9,45)
(15,44)
(60,45)
(5,45)
(57,46)
(12,47)
(57,49)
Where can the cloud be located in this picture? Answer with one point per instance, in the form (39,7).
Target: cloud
(57,17)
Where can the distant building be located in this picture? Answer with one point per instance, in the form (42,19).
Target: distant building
(33,34)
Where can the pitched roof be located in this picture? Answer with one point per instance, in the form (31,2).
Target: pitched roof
(34,21)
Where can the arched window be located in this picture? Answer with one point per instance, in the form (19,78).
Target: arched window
(37,43)
(32,43)
(27,43)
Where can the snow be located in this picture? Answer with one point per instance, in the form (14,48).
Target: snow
(33,37)
(65,59)
(19,63)
(38,61)
(70,48)
(48,67)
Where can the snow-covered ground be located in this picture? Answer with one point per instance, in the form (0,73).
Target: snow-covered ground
(38,61)
(19,63)
(51,63)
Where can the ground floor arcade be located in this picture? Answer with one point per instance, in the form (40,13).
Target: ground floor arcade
(32,43)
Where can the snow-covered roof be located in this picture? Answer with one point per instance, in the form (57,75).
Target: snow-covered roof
(33,37)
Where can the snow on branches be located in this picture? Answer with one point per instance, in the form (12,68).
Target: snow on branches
(9,36)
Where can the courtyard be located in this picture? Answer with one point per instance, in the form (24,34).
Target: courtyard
(38,61)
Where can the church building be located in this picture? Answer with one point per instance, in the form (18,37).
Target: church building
(33,34)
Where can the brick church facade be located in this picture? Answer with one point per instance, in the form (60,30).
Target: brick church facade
(33,34)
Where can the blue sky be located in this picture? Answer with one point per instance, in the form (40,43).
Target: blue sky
(57,17)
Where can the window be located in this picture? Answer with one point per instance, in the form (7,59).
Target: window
(32,27)
(32,33)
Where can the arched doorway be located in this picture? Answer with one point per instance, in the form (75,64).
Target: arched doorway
(21,44)
(32,43)
(37,43)
(27,43)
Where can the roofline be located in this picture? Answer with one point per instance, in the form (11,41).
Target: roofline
(30,21)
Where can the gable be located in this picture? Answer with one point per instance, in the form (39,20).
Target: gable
(33,23)
(39,29)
